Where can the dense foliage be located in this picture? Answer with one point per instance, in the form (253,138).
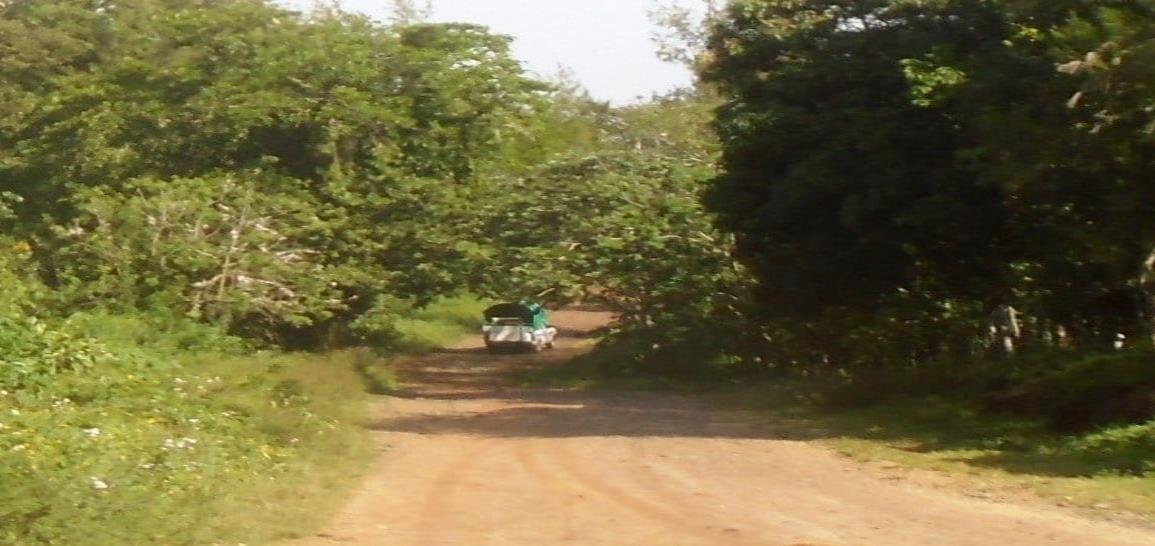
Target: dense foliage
(296,179)
(897,177)
(900,173)
(238,161)
(160,425)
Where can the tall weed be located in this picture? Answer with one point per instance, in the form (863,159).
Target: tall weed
(168,454)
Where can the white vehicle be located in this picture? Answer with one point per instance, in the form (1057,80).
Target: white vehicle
(517,326)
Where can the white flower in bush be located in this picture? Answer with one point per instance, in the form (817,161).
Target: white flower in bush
(179,443)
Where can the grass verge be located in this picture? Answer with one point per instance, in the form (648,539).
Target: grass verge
(239,449)
(439,324)
(1111,467)
(141,429)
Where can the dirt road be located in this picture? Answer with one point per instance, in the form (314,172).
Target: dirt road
(469,462)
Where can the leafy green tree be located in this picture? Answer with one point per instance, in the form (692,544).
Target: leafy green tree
(323,125)
(841,188)
(895,170)
(1110,53)
(625,229)
(225,249)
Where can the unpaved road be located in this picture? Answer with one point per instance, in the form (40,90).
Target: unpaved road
(469,462)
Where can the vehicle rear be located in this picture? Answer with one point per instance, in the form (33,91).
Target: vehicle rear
(517,327)
(508,334)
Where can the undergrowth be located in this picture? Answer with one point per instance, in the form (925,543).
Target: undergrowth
(150,429)
(439,324)
(1110,467)
(102,444)
(396,326)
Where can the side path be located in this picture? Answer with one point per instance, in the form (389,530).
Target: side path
(468,461)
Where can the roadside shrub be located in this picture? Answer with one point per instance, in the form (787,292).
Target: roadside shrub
(160,332)
(33,355)
(1128,449)
(1086,393)
(142,452)
(153,429)
(396,325)
(869,387)
(678,348)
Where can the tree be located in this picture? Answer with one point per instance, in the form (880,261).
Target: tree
(843,190)
(625,229)
(1111,52)
(120,111)
(237,250)
(896,170)
(408,12)
(683,30)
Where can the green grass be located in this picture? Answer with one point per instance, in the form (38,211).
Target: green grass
(1109,467)
(122,430)
(316,431)
(206,450)
(439,324)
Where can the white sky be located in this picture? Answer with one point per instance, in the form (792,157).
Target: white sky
(606,43)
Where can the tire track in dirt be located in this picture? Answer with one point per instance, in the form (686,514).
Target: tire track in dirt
(664,476)
(438,510)
(570,474)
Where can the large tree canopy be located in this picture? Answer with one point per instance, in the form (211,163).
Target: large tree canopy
(291,175)
(970,152)
(159,148)
(843,173)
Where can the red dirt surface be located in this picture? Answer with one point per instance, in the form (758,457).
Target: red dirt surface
(467,460)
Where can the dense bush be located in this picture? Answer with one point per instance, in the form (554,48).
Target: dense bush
(1083,393)
(118,429)
(163,453)
(899,175)
(1125,449)
(163,445)
(252,167)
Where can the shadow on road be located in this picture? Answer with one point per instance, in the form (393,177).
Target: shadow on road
(465,392)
